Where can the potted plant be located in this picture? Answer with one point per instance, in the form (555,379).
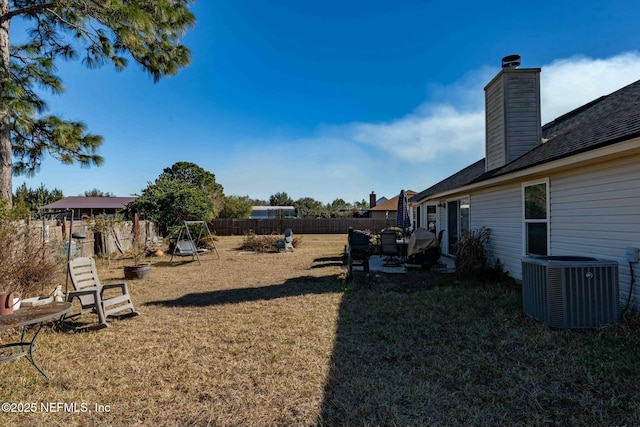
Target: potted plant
(138,270)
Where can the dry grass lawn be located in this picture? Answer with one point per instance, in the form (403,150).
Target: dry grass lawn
(278,339)
(244,340)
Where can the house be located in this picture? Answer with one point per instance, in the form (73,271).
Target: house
(571,187)
(84,207)
(271,212)
(374,200)
(389,208)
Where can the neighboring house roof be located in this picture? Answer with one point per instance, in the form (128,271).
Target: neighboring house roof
(605,121)
(79,202)
(381,200)
(271,208)
(259,212)
(392,203)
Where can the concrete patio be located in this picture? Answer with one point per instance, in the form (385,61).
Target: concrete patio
(376,263)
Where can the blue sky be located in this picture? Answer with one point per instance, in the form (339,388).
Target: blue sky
(336,99)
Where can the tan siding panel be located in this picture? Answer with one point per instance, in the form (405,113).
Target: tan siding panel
(495,126)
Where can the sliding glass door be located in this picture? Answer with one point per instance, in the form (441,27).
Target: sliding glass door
(457,222)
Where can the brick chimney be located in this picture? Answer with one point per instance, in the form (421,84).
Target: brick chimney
(372,200)
(512,113)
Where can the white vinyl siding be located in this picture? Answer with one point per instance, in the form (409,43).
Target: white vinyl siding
(597,213)
(593,211)
(501,211)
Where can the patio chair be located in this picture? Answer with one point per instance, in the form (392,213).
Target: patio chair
(91,293)
(389,248)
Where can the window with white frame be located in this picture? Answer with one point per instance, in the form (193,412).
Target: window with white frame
(536,218)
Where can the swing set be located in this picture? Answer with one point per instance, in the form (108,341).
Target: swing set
(186,245)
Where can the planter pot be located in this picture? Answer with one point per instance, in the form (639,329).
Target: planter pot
(6,303)
(139,271)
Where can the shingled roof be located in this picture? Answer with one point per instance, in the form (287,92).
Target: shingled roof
(605,121)
(80,202)
(392,203)
(464,177)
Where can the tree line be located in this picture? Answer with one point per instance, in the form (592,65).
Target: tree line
(186,191)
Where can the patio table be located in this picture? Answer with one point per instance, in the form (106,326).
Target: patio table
(23,318)
(402,246)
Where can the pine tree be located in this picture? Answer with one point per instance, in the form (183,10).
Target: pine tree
(95,32)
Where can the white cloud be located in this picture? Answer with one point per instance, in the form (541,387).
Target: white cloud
(452,121)
(439,137)
(425,136)
(566,84)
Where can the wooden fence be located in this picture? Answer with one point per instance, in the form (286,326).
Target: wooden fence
(118,239)
(230,227)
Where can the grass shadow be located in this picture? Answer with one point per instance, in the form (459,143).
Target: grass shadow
(293,287)
(324,262)
(379,351)
(452,354)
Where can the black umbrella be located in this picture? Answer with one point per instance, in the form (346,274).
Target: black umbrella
(402,220)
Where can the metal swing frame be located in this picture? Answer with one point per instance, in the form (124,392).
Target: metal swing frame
(185,244)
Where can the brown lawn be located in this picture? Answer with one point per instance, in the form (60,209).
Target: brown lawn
(244,340)
(278,339)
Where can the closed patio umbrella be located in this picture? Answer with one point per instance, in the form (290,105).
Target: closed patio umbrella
(403,221)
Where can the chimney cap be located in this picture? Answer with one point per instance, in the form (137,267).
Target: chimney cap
(511,61)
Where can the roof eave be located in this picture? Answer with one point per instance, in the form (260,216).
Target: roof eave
(610,150)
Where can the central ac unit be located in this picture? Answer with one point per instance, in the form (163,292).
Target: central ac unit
(571,292)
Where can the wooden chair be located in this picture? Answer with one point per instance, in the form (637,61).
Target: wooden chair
(91,293)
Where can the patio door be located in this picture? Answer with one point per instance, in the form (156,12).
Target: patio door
(452,227)
(457,222)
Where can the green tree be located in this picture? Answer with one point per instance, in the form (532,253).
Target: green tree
(94,31)
(33,199)
(184,191)
(309,206)
(257,202)
(362,205)
(280,199)
(238,207)
(339,208)
(196,177)
(98,193)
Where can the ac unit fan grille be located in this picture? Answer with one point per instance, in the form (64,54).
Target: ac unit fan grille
(571,294)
